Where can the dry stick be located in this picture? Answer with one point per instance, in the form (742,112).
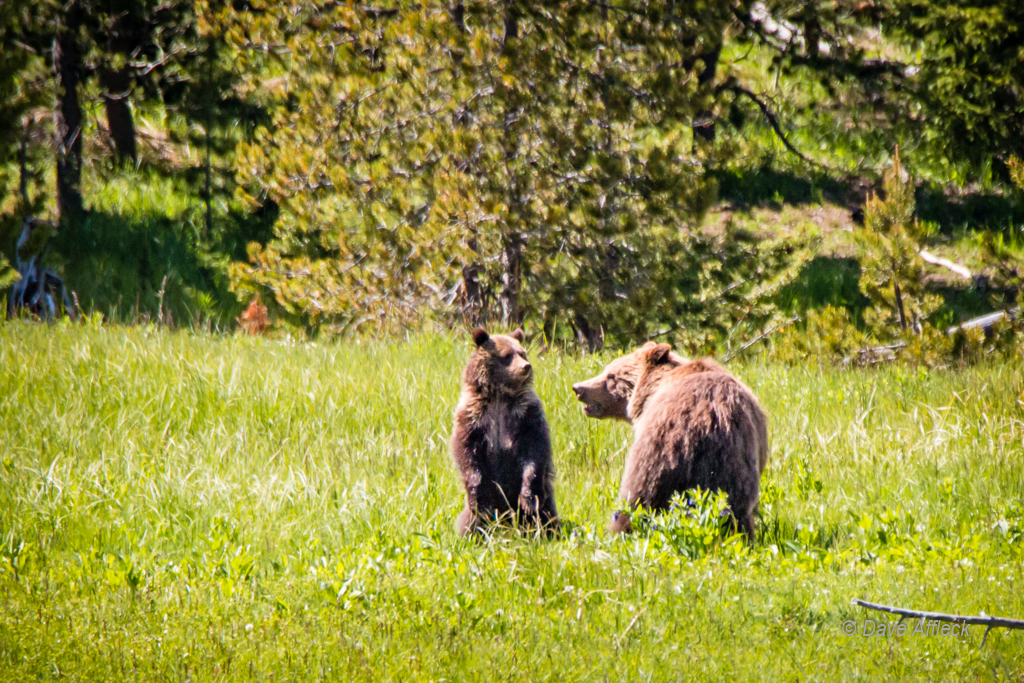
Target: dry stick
(764,335)
(945,263)
(987,621)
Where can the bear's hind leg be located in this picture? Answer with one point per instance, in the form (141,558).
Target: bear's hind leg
(465,523)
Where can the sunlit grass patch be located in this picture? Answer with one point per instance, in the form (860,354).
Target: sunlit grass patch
(190,505)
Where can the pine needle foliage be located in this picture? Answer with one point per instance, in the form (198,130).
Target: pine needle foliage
(892,268)
(488,161)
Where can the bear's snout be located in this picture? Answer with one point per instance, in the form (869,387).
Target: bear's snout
(585,395)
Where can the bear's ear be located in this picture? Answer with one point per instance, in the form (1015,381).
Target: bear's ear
(647,346)
(658,354)
(480,336)
(518,335)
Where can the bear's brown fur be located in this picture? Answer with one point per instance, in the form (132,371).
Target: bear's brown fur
(500,442)
(694,424)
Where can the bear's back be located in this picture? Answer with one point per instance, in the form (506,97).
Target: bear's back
(709,409)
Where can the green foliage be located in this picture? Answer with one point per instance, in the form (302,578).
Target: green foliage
(827,335)
(830,337)
(372,168)
(1016,168)
(852,79)
(697,523)
(254,509)
(8,275)
(504,162)
(968,79)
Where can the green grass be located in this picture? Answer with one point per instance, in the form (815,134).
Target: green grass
(194,507)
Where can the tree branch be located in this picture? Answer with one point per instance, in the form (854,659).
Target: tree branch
(985,620)
(764,335)
(768,114)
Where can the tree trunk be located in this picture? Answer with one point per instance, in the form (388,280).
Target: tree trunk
(67,117)
(588,334)
(512,249)
(123,40)
(116,83)
(472,297)
(704,128)
(512,257)
(899,304)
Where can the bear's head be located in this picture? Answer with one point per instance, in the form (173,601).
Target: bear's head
(654,362)
(608,394)
(499,364)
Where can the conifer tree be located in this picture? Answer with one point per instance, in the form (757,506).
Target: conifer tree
(503,159)
(892,268)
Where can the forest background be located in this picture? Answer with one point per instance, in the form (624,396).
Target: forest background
(706,173)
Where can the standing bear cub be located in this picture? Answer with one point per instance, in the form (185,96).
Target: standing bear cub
(694,425)
(500,443)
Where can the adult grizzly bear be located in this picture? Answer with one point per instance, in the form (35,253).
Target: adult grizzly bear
(694,424)
(500,443)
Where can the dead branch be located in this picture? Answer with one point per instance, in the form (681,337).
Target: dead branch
(982,620)
(772,120)
(928,257)
(38,290)
(764,335)
(985,321)
(875,354)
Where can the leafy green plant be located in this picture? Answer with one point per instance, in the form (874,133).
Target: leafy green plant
(696,522)
(828,334)
(8,275)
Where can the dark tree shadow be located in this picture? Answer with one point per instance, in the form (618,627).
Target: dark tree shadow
(118,265)
(974,211)
(766,187)
(826,281)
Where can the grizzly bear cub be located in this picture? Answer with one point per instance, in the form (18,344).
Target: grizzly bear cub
(500,443)
(694,425)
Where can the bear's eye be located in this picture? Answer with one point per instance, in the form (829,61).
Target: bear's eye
(506,358)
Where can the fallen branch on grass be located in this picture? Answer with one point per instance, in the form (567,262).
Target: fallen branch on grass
(985,321)
(888,353)
(982,620)
(945,263)
(876,354)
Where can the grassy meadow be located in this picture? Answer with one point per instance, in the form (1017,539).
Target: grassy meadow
(184,506)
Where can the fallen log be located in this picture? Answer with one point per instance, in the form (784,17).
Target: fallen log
(985,321)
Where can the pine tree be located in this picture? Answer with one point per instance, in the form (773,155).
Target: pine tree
(892,268)
(502,159)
